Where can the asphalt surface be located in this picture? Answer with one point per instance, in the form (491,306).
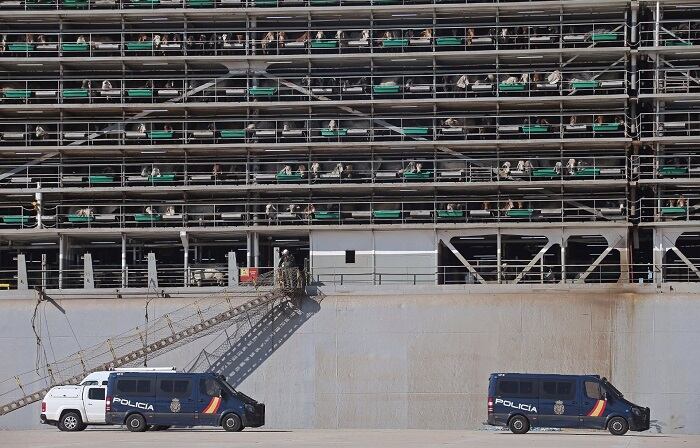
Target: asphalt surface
(217,438)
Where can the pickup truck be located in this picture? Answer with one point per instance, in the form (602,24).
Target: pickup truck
(73,408)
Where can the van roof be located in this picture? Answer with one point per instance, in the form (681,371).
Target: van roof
(149,373)
(542,375)
(103,375)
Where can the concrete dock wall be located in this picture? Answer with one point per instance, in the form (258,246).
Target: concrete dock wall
(419,357)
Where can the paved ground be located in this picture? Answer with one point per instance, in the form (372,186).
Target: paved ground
(216,438)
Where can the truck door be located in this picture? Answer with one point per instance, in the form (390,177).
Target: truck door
(593,405)
(175,400)
(94,400)
(559,405)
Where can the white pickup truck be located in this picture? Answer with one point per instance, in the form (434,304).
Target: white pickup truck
(72,408)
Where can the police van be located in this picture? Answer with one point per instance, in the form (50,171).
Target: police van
(521,401)
(139,400)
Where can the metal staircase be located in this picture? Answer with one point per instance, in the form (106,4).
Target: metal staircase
(260,332)
(167,333)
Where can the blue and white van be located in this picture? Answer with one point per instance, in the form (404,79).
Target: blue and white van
(155,400)
(523,400)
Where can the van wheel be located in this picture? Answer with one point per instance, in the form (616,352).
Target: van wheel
(71,421)
(232,423)
(518,424)
(136,423)
(618,426)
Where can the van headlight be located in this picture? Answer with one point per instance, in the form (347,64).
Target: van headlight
(636,411)
(250,408)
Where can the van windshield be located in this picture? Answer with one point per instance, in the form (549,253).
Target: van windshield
(240,395)
(612,389)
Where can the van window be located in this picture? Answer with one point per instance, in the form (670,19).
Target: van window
(527,388)
(507,387)
(209,387)
(143,386)
(593,390)
(126,386)
(175,388)
(89,383)
(516,388)
(134,386)
(557,390)
(96,393)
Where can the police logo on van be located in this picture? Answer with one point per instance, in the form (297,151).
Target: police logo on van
(175,405)
(559,407)
(519,406)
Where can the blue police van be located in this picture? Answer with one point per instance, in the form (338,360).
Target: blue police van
(521,401)
(142,400)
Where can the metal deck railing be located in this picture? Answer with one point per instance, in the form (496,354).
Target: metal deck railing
(328,171)
(33,5)
(528,205)
(506,82)
(332,38)
(452,126)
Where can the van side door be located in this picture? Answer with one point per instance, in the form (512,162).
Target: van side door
(516,395)
(559,405)
(176,400)
(94,400)
(593,405)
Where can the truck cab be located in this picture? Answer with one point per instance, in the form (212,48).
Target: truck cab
(72,408)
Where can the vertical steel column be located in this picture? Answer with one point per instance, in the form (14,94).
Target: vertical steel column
(633,65)
(634,32)
(249,250)
(43,271)
(124,271)
(542,269)
(186,257)
(232,269)
(657,64)
(624,250)
(658,256)
(61,259)
(152,270)
(563,258)
(657,24)
(88,275)
(37,198)
(22,279)
(256,249)
(499,267)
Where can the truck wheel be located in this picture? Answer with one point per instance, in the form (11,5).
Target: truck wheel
(232,423)
(71,421)
(518,424)
(618,426)
(136,423)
